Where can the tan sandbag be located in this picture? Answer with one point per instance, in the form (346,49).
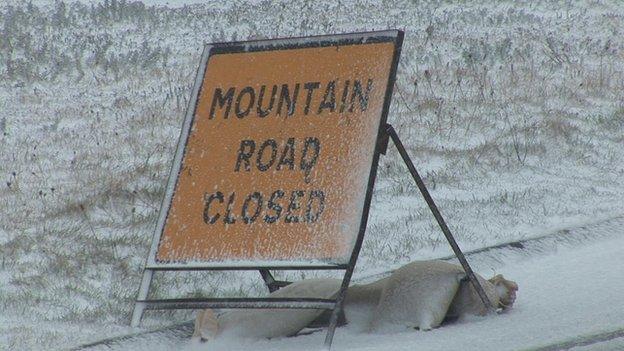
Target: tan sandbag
(500,291)
(422,294)
(269,323)
(418,295)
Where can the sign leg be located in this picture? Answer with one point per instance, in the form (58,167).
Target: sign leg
(436,213)
(333,320)
(270,282)
(139,307)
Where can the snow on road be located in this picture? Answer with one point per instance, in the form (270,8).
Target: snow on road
(571,292)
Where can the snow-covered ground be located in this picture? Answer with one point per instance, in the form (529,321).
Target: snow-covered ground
(512,111)
(572,292)
(568,291)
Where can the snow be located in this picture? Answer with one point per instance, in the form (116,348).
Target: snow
(512,112)
(571,292)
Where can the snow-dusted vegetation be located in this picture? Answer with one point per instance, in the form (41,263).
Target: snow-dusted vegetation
(513,113)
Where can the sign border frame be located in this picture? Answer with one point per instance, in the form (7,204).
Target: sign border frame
(386,36)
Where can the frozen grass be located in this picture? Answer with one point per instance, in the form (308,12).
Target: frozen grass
(513,113)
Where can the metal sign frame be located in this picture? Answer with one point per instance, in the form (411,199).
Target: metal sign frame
(385,132)
(143,303)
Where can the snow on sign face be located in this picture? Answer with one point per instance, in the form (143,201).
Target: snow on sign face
(278,152)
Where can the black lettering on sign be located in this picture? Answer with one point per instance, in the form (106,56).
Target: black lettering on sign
(221,100)
(293,206)
(275,206)
(310,87)
(255,207)
(246,150)
(329,98)
(318,197)
(249,100)
(311,151)
(228,211)
(285,96)
(257,198)
(263,112)
(252,97)
(343,98)
(362,97)
(266,155)
(264,166)
(288,155)
(207,218)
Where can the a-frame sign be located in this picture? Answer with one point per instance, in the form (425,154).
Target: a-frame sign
(276,163)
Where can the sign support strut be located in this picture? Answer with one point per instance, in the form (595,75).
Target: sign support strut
(436,213)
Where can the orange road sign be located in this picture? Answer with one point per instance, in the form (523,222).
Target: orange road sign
(275,156)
